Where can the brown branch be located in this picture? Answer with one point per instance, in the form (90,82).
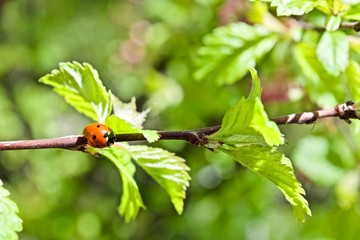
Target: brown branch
(343,25)
(351,25)
(68,142)
(345,111)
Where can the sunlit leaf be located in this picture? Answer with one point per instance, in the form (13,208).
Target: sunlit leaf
(333,52)
(255,92)
(353,13)
(228,52)
(273,165)
(119,126)
(127,120)
(352,2)
(294,7)
(131,200)
(168,170)
(127,112)
(333,7)
(258,11)
(247,122)
(10,223)
(333,23)
(164,167)
(247,135)
(353,79)
(150,135)
(325,89)
(82,88)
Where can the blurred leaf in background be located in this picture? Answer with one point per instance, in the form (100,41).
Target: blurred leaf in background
(9,220)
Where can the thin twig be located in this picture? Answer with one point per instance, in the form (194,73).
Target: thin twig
(344,111)
(343,25)
(197,137)
(68,142)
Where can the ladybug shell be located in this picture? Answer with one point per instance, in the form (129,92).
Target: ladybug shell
(98,135)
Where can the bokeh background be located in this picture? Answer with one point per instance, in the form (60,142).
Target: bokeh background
(145,49)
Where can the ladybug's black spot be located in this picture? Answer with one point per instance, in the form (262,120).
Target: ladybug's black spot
(94,137)
(98,125)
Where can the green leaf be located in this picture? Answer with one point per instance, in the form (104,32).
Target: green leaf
(333,7)
(247,122)
(258,12)
(294,7)
(247,135)
(10,223)
(352,2)
(228,51)
(353,13)
(150,135)
(324,89)
(165,168)
(353,79)
(256,85)
(127,120)
(273,165)
(119,126)
(333,52)
(333,23)
(347,189)
(131,201)
(127,112)
(82,88)
(315,164)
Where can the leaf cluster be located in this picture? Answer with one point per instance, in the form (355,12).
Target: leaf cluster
(308,42)
(315,48)
(249,137)
(81,87)
(245,130)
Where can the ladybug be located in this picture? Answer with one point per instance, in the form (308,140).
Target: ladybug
(98,135)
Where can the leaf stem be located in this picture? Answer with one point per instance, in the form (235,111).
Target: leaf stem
(344,111)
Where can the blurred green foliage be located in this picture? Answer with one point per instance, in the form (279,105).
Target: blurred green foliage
(146,49)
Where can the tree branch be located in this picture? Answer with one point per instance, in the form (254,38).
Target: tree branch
(343,25)
(345,111)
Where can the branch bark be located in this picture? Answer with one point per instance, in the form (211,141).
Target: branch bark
(343,25)
(345,111)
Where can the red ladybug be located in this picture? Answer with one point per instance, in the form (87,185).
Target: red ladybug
(98,135)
